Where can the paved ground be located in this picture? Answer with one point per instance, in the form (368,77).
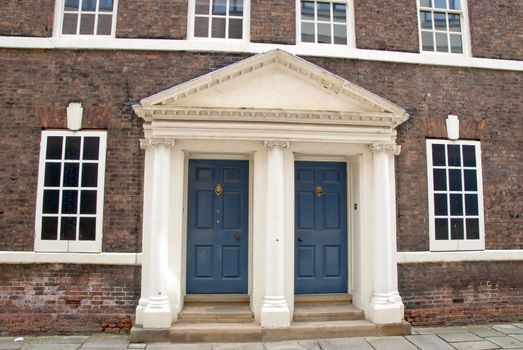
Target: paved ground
(496,336)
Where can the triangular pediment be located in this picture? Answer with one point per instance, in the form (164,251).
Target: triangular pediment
(274,83)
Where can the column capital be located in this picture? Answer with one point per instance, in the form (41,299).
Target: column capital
(270,144)
(155,142)
(390,148)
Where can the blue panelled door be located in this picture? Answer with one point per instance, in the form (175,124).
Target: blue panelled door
(217,237)
(321,227)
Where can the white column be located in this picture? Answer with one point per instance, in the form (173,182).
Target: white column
(275,311)
(157,313)
(386,304)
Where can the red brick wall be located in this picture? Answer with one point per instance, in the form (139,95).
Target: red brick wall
(461,293)
(273,21)
(26,18)
(66,299)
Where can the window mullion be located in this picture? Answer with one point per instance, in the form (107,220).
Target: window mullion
(96,14)
(79,19)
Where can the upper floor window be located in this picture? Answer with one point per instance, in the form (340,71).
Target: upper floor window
(88,17)
(442,25)
(223,19)
(70,191)
(455,195)
(324,22)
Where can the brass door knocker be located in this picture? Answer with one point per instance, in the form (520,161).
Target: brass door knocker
(218,189)
(318,191)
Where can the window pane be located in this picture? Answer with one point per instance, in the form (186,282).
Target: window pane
(442,229)
(441,42)
(426,20)
(440,204)
(49,228)
(455,4)
(71,172)
(340,34)
(218,28)
(440,4)
(235,28)
(89,175)
(438,155)
(52,174)
(70,23)
(88,5)
(454,155)
(469,155)
(87,24)
(236,7)
(439,178)
(456,46)
(471,180)
(456,204)
(307,32)
(68,229)
(307,10)
(87,229)
(69,201)
(427,41)
(426,3)
(219,7)
(471,204)
(50,202)
(455,179)
(340,13)
(54,147)
(88,202)
(72,147)
(201,27)
(202,7)
(454,23)
(104,25)
(71,5)
(456,227)
(324,33)
(106,5)
(472,228)
(440,21)
(324,11)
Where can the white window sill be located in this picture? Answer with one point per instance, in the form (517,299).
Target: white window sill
(485,255)
(16,257)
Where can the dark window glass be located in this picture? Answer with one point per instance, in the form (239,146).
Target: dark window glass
(69,201)
(88,5)
(50,202)
(52,174)
(54,147)
(68,229)
(71,5)
(454,23)
(427,41)
(455,4)
(307,10)
(72,147)
(442,229)
(340,13)
(49,228)
(440,21)
(87,229)
(219,7)
(456,204)
(324,11)
(456,45)
(71,172)
(307,32)
(89,175)
(454,155)
(442,44)
(340,34)
(324,33)
(472,228)
(440,204)
(202,7)
(235,28)
(235,7)
(440,179)
(426,19)
(441,4)
(218,28)
(469,156)
(426,3)
(87,24)
(88,202)
(106,5)
(91,148)
(438,155)
(105,23)
(455,179)
(201,27)
(471,204)
(70,23)
(456,226)
(471,180)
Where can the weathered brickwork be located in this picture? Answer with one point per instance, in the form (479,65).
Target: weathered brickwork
(382,25)
(152,19)
(26,18)
(65,299)
(496,28)
(273,21)
(460,293)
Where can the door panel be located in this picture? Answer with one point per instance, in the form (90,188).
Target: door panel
(321,227)
(217,232)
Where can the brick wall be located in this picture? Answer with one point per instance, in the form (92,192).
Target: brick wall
(461,293)
(273,21)
(67,299)
(26,18)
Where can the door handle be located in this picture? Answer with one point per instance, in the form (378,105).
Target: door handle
(319,191)
(237,237)
(300,239)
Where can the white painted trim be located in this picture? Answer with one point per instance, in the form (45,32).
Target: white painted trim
(58,22)
(485,255)
(240,47)
(14,257)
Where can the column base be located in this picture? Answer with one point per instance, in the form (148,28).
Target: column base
(386,308)
(142,304)
(275,313)
(157,314)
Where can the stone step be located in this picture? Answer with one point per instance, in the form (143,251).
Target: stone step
(216,298)
(331,329)
(327,312)
(321,298)
(218,312)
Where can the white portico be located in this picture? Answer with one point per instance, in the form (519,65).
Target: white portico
(271,111)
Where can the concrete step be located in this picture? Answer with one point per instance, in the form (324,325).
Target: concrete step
(218,312)
(321,298)
(331,329)
(215,332)
(216,298)
(327,312)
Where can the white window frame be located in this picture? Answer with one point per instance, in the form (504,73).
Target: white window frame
(351,33)
(462,244)
(246,25)
(70,245)
(465,30)
(59,18)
